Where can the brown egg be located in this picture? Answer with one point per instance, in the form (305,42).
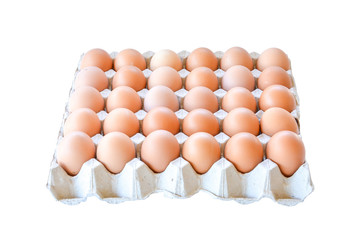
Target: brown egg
(166,76)
(273,57)
(73,151)
(277,96)
(98,58)
(277,119)
(92,77)
(274,76)
(238,76)
(238,97)
(159,149)
(129,57)
(160,118)
(201,97)
(241,120)
(129,76)
(245,151)
(287,150)
(165,57)
(123,97)
(114,151)
(86,97)
(201,57)
(83,120)
(202,76)
(161,96)
(200,120)
(236,56)
(121,120)
(201,150)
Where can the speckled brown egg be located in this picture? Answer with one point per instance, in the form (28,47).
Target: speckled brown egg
(98,58)
(287,150)
(238,97)
(121,120)
(200,120)
(129,57)
(160,118)
(236,56)
(277,96)
(83,120)
(92,77)
(241,120)
(86,97)
(201,57)
(202,76)
(201,97)
(273,57)
(274,76)
(130,76)
(238,76)
(123,97)
(166,76)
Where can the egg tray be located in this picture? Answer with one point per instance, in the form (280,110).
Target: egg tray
(137,181)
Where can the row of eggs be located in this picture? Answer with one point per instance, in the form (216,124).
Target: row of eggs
(160,147)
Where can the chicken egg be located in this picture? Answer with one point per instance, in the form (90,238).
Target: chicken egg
(201,57)
(287,150)
(277,96)
(241,120)
(201,150)
(236,56)
(98,58)
(129,57)
(114,151)
(160,118)
(166,76)
(93,77)
(201,97)
(161,96)
(245,151)
(165,57)
(273,57)
(277,119)
(129,76)
(274,76)
(73,151)
(86,97)
(123,97)
(200,120)
(238,76)
(159,149)
(121,120)
(238,97)
(83,120)
(202,76)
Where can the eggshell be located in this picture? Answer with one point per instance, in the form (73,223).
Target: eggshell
(245,151)
(160,118)
(201,97)
(287,150)
(86,97)
(165,57)
(92,77)
(238,97)
(83,120)
(238,76)
(200,120)
(130,76)
(165,76)
(273,57)
(73,151)
(201,150)
(202,76)
(114,151)
(277,119)
(159,149)
(161,96)
(236,56)
(274,76)
(123,97)
(121,120)
(129,57)
(98,58)
(277,96)
(201,57)
(241,120)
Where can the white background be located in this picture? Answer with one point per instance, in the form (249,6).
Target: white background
(41,42)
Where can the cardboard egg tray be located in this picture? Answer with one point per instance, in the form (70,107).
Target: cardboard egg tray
(137,181)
